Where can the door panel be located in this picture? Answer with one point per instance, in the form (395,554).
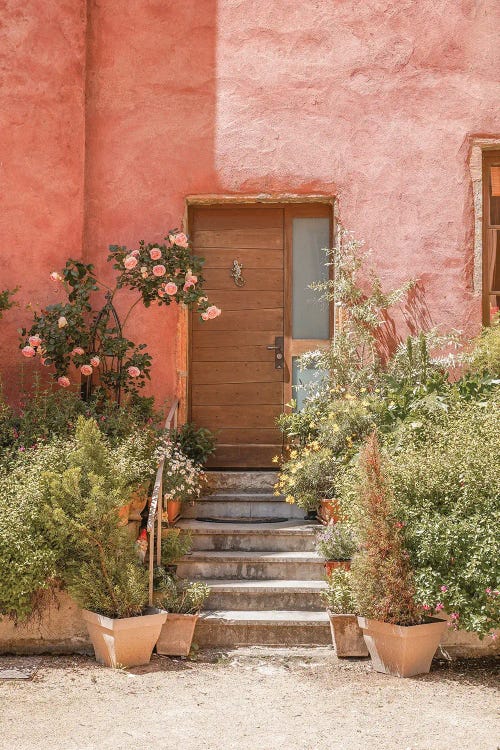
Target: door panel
(236,390)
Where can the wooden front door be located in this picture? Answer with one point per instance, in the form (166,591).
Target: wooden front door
(259,262)
(236,389)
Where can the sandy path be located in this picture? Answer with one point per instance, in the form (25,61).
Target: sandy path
(250,699)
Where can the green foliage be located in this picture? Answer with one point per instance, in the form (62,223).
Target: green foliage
(179,597)
(307,477)
(338,596)
(182,478)
(485,356)
(336,542)
(133,458)
(6,301)
(96,556)
(174,545)
(197,443)
(382,578)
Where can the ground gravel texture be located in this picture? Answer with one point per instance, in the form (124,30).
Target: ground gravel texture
(246,699)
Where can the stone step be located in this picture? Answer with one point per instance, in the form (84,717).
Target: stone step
(293,535)
(242,505)
(258,481)
(261,628)
(264,595)
(305,566)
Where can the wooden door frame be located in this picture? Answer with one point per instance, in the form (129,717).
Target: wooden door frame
(184,332)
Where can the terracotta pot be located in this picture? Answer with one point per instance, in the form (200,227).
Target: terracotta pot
(126,642)
(123,514)
(402,651)
(347,636)
(331,565)
(177,635)
(329,511)
(138,501)
(173,510)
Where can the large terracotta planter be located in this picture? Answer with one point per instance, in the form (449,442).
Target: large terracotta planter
(331,565)
(176,635)
(347,636)
(138,501)
(126,642)
(402,651)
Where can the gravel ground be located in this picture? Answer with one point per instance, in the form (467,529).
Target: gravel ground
(247,699)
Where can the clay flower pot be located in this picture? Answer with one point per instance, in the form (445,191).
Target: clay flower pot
(173,510)
(177,635)
(123,514)
(138,501)
(329,511)
(331,565)
(126,642)
(347,635)
(402,651)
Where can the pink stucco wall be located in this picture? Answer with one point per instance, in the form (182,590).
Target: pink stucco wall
(375,101)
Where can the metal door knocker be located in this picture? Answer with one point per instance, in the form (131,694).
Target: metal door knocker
(236,273)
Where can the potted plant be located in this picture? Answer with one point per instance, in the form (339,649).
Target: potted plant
(197,443)
(306,477)
(336,544)
(346,633)
(134,461)
(182,480)
(97,557)
(183,601)
(175,544)
(400,638)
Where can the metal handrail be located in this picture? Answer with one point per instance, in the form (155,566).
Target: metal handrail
(155,508)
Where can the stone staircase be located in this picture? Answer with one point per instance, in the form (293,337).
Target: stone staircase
(264,575)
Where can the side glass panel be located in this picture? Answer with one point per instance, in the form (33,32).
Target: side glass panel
(310,317)
(301,379)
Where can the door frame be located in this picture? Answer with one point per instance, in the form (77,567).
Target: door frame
(184,333)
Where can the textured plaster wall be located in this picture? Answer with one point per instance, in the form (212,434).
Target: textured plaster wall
(42,57)
(375,101)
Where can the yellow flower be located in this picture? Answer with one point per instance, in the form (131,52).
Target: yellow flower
(290,499)
(275,459)
(312,425)
(293,470)
(293,454)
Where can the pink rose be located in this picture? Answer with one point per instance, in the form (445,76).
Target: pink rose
(171,288)
(133,371)
(77,350)
(86,370)
(155,253)
(179,239)
(28,351)
(159,270)
(135,253)
(161,293)
(130,262)
(204,316)
(191,279)
(35,340)
(55,276)
(95,361)
(63,381)
(187,285)
(213,312)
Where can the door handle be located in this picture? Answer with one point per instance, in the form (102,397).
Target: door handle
(278,352)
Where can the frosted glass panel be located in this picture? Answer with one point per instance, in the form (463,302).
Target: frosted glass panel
(310,317)
(301,379)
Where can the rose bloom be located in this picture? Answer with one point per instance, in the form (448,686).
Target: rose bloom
(155,253)
(28,351)
(130,262)
(187,285)
(63,381)
(62,322)
(95,361)
(133,371)
(171,288)
(86,370)
(159,270)
(191,279)
(35,340)
(55,276)
(135,253)
(77,350)
(161,293)
(213,312)
(204,316)
(178,239)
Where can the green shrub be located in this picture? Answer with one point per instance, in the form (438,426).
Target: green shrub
(336,542)
(485,356)
(197,443)
(180,597)
(338,596)
(174,545)
(307,477)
